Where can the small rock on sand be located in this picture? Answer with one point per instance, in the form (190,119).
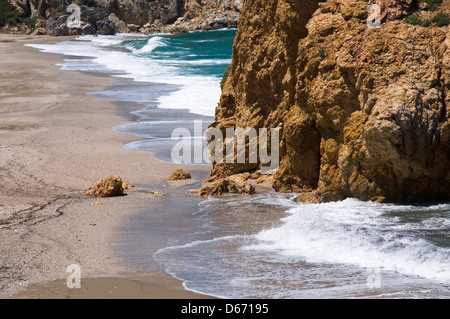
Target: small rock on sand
(178,175)
(109,187)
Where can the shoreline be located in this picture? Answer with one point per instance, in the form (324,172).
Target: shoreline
(56,142)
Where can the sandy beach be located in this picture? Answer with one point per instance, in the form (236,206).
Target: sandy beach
(56,141)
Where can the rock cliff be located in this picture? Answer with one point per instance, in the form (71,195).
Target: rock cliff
(145,16)
(363,112)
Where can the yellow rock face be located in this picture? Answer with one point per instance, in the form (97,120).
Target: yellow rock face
(364,111)
(179,174)
(109,187)
(235,184)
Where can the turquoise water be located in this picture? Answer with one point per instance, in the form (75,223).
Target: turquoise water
(194,63)
(192,54)
(268,246)
(265,245)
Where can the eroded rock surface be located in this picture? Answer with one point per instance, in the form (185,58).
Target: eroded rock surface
(178,175)
(236,184)
(141,16)
(364,112)
(109,187)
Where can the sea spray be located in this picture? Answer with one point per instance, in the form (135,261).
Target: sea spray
(347,249)
(266,245)
(193,62)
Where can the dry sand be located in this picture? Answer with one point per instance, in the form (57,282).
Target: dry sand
(56,141)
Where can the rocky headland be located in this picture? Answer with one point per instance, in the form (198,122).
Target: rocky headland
(363,111)
(121,16)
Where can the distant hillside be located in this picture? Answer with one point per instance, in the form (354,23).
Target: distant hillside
(107,17)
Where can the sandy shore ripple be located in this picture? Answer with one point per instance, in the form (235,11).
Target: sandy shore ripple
(55,142)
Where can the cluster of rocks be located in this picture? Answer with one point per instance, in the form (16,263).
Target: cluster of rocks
(123,16)
(243,184)
(237,184)
(214,186)
(363,112)
(213,20)
(93,22)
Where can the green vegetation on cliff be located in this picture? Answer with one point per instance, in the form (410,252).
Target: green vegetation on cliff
(421,18)
(10,16)
(225,76)
(88,3)
(441,19)
(432,4)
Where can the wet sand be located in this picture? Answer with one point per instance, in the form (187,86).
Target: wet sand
(56,141)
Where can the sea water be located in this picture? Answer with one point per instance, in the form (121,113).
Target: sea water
(263,245)
(192,62)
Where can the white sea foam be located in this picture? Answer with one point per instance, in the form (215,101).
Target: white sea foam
(199,243)
(350,232)
(103,40)
(361,234)
(152,44)
(198,94)
(68,48)
(316,251)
